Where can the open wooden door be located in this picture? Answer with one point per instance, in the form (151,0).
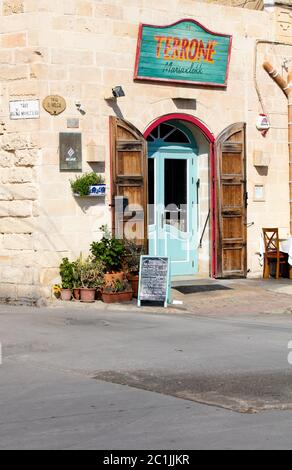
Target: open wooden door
(129,181)
(231,202)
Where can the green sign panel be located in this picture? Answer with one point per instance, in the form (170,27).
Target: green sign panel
(185,52)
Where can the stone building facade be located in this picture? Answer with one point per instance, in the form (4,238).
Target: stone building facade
(80,49)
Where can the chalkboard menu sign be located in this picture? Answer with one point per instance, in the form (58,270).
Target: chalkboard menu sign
(154,284)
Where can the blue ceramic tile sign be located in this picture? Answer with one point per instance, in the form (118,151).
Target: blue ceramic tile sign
(97,190)
(185,52)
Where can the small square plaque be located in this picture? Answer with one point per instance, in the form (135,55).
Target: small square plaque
(70,151)
(73,123)
(259,193)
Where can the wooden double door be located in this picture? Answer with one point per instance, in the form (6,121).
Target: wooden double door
(227,191)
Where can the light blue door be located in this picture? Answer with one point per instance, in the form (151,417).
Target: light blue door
(173,178)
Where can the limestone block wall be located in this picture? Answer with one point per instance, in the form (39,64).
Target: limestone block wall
(19,160)
(274,210)
(284,23)
(250,4)
(79,49)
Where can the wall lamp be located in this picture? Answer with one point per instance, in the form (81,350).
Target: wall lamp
(80,108)
(118,92)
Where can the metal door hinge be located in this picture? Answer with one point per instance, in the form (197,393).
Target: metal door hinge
(246,199)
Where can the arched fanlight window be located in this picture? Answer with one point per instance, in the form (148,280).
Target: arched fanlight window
(168,134)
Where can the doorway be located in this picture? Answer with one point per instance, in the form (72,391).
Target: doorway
(197,193)
(173,196)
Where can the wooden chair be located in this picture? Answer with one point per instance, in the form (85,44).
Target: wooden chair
(272,251)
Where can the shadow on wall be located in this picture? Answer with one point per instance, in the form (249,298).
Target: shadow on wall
(262,170)
(85,203)
(113,103)
(185,104)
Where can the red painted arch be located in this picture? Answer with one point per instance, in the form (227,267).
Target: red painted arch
(211,139)
(182,117)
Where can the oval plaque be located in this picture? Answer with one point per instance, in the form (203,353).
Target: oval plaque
(54,104)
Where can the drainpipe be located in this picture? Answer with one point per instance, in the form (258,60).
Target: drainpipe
(286,87)
(289,91)
(269,5)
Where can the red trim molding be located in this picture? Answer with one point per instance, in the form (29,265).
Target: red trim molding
(183,117)
(211,139)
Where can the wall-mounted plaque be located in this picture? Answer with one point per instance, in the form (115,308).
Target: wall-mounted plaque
(259,193)
(70,151)
(184,52)
(24,109)
(54,105)
(73,123)
(154,281)
(95,153)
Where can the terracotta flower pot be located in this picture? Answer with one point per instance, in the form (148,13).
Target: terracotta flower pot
(125,296)
(114,298)
(76,294)
(109,298)
(134,280)
(66,294)
(87,295)
(110,278)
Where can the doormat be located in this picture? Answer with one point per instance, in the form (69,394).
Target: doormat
(197,289)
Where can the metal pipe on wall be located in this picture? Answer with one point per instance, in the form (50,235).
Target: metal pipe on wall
(290,140)
(286,87)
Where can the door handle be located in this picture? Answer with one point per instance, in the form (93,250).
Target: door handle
(198,191)
(162,221)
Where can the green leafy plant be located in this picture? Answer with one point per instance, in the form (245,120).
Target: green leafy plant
(118,287)
(76,272)
(66,273)
(81,185)
(88,273)
(132,257)
(110,251)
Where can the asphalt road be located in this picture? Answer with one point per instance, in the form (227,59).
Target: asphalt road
(93,379)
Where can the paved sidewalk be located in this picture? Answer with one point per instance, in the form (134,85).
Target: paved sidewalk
(253,296)
(244,296)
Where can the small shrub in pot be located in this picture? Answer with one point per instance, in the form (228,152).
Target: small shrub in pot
(110,252)
(131,262)
(66,273)
(81,185)
(117,292)
(90,273)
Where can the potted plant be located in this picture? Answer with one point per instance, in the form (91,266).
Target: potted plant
(57,291)
(132,257)
(117,292)
(110,252)
(66,273)
(88,184)
(90,274)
